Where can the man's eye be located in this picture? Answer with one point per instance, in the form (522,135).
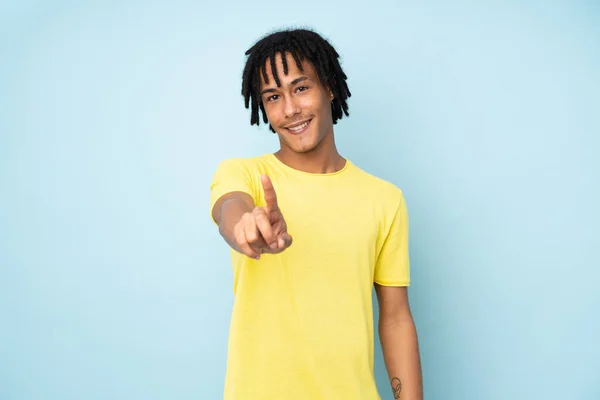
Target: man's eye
(302,88)
(273,97)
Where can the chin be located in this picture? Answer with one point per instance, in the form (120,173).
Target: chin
(302,147)
(295,146)
(304,150)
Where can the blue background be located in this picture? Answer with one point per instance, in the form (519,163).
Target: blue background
(114,284)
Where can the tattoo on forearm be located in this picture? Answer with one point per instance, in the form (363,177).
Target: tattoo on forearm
(396,387)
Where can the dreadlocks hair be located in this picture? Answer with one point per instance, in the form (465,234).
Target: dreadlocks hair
(301,44)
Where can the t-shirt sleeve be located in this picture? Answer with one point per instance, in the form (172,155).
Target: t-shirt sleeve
(231,175)
(392,267)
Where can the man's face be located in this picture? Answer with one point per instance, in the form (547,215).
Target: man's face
(300,109)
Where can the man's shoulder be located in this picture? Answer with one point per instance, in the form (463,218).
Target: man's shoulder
(379,184)
(248,163)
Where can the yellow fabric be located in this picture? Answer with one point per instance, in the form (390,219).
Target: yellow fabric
(302,322)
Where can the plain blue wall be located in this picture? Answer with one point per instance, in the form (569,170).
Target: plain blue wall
(114,284)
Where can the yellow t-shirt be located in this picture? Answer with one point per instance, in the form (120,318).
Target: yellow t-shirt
(302,321)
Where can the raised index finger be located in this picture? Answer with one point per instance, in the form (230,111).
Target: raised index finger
(270,196)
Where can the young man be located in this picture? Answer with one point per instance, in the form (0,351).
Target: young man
(311,233)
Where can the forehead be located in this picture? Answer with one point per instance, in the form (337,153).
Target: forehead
(292,73)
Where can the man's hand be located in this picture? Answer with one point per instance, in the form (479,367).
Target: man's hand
(263,230)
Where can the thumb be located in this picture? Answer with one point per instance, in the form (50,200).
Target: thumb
(286,238)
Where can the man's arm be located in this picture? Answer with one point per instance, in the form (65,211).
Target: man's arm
(399,342)
(250,229)
(228,212)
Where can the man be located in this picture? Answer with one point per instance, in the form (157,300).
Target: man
(311,233)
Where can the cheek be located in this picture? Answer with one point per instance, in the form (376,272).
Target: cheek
(272,112)
(325,108)
(316,105)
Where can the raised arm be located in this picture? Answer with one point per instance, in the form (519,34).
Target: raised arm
(250,229)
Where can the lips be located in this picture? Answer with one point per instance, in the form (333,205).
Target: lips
(299,128)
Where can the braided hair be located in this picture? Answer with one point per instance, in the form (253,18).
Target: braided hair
(301,44)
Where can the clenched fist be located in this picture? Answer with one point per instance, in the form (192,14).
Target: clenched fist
(263,230)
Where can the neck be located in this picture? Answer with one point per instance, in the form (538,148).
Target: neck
(323,159)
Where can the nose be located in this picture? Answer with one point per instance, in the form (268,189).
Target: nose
(291,108)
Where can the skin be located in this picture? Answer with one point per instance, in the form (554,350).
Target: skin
(301,97)
(399,342)
(253,230)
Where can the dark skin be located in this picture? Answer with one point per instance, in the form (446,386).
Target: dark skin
(399,342)
(252,230)
(301,98)
(249,229)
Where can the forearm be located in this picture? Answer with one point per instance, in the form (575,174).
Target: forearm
(400,347)
(231,213)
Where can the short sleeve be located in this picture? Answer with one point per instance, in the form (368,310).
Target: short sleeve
(392,267)
(232,175)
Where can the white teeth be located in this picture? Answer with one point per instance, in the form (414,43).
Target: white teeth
(299,127)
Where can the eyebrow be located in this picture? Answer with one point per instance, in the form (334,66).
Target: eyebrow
(292,83)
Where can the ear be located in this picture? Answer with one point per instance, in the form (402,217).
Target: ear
(329,91)
(331,95)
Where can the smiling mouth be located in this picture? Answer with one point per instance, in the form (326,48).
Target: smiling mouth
(299,128)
